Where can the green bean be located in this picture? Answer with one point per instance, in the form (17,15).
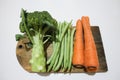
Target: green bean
(71,48)
(65,52)
(61,56)
(68,48)
(59,52)
(56,62)
(54,49)
(52,59)
(56,67)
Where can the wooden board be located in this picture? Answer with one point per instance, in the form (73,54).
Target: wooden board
(23,53)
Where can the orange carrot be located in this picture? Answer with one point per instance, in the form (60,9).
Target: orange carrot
(90,52)
(78,54)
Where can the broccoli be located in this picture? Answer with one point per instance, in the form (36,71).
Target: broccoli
(18,37)
(39,27)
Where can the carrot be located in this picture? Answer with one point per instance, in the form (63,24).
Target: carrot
(78,53)
(91,58)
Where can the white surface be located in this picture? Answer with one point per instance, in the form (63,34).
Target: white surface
(104,13)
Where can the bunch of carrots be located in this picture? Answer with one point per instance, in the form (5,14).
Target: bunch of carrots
(85,52)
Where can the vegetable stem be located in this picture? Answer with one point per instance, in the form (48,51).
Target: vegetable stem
(38,61)
(25,26)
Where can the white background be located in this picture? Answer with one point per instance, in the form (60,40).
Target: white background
(103,13)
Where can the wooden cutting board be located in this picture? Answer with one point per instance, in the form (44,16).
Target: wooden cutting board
(23,53)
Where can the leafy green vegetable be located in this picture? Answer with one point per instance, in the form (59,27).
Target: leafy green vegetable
(39,27)
(18,37)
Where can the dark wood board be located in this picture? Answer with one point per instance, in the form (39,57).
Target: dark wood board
(23,53)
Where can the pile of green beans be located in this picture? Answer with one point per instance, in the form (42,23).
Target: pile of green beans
(61,58)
